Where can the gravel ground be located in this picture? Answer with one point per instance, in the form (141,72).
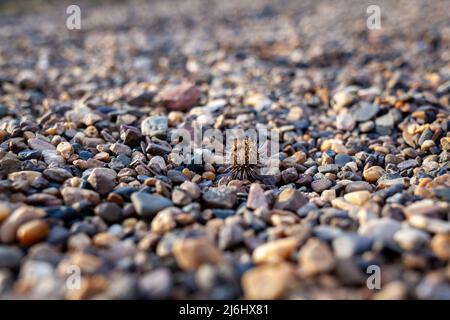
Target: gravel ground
(89,184)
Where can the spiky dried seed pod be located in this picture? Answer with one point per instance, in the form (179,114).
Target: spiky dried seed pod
(243,159)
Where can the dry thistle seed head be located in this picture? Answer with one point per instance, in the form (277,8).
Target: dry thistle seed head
(243,159)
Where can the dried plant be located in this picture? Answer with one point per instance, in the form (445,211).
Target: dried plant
(243,159)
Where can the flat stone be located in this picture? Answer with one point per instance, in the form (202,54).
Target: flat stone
(275,251)
(57,174)
(148,205)
(407,164)
(191,253)
(41,145)
(358,186)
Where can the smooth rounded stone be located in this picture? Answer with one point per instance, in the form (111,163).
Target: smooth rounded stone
(159,161)
(155,126)
(191,253)
(223,213)
(147,205)
(315,257)
(345,122)
(5,210)
(445,143)
(32,232)
(191,188)
(394,290)
(342,159)
(386,120)
(164,221)
(366,111)
(321,185)
(440,244)
(433,287)
(180,197)
(425,207)
(103,180)
(78,242)
(51,158)
(410,239)
(120,148)
(257,198)
(407,164)
(366,126)
(275,251)
(429,224)
(358,198)
(328,168)
(358,186)
(10,163)
(230,236)
(110,212)
(289,175)
(28,176)
(222,197)
(156,284)
(3,110)
(19,216)
(10,257)
(326,233)
(328,195)
(65,149)
(291,200)
(374,173)
(40,145)
(180,97)
(176,176)
(380,229)
(349,245)
(72,195)
(57,174)
(267,282)
(58,235)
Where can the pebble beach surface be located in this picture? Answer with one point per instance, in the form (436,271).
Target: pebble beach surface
(89,186)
